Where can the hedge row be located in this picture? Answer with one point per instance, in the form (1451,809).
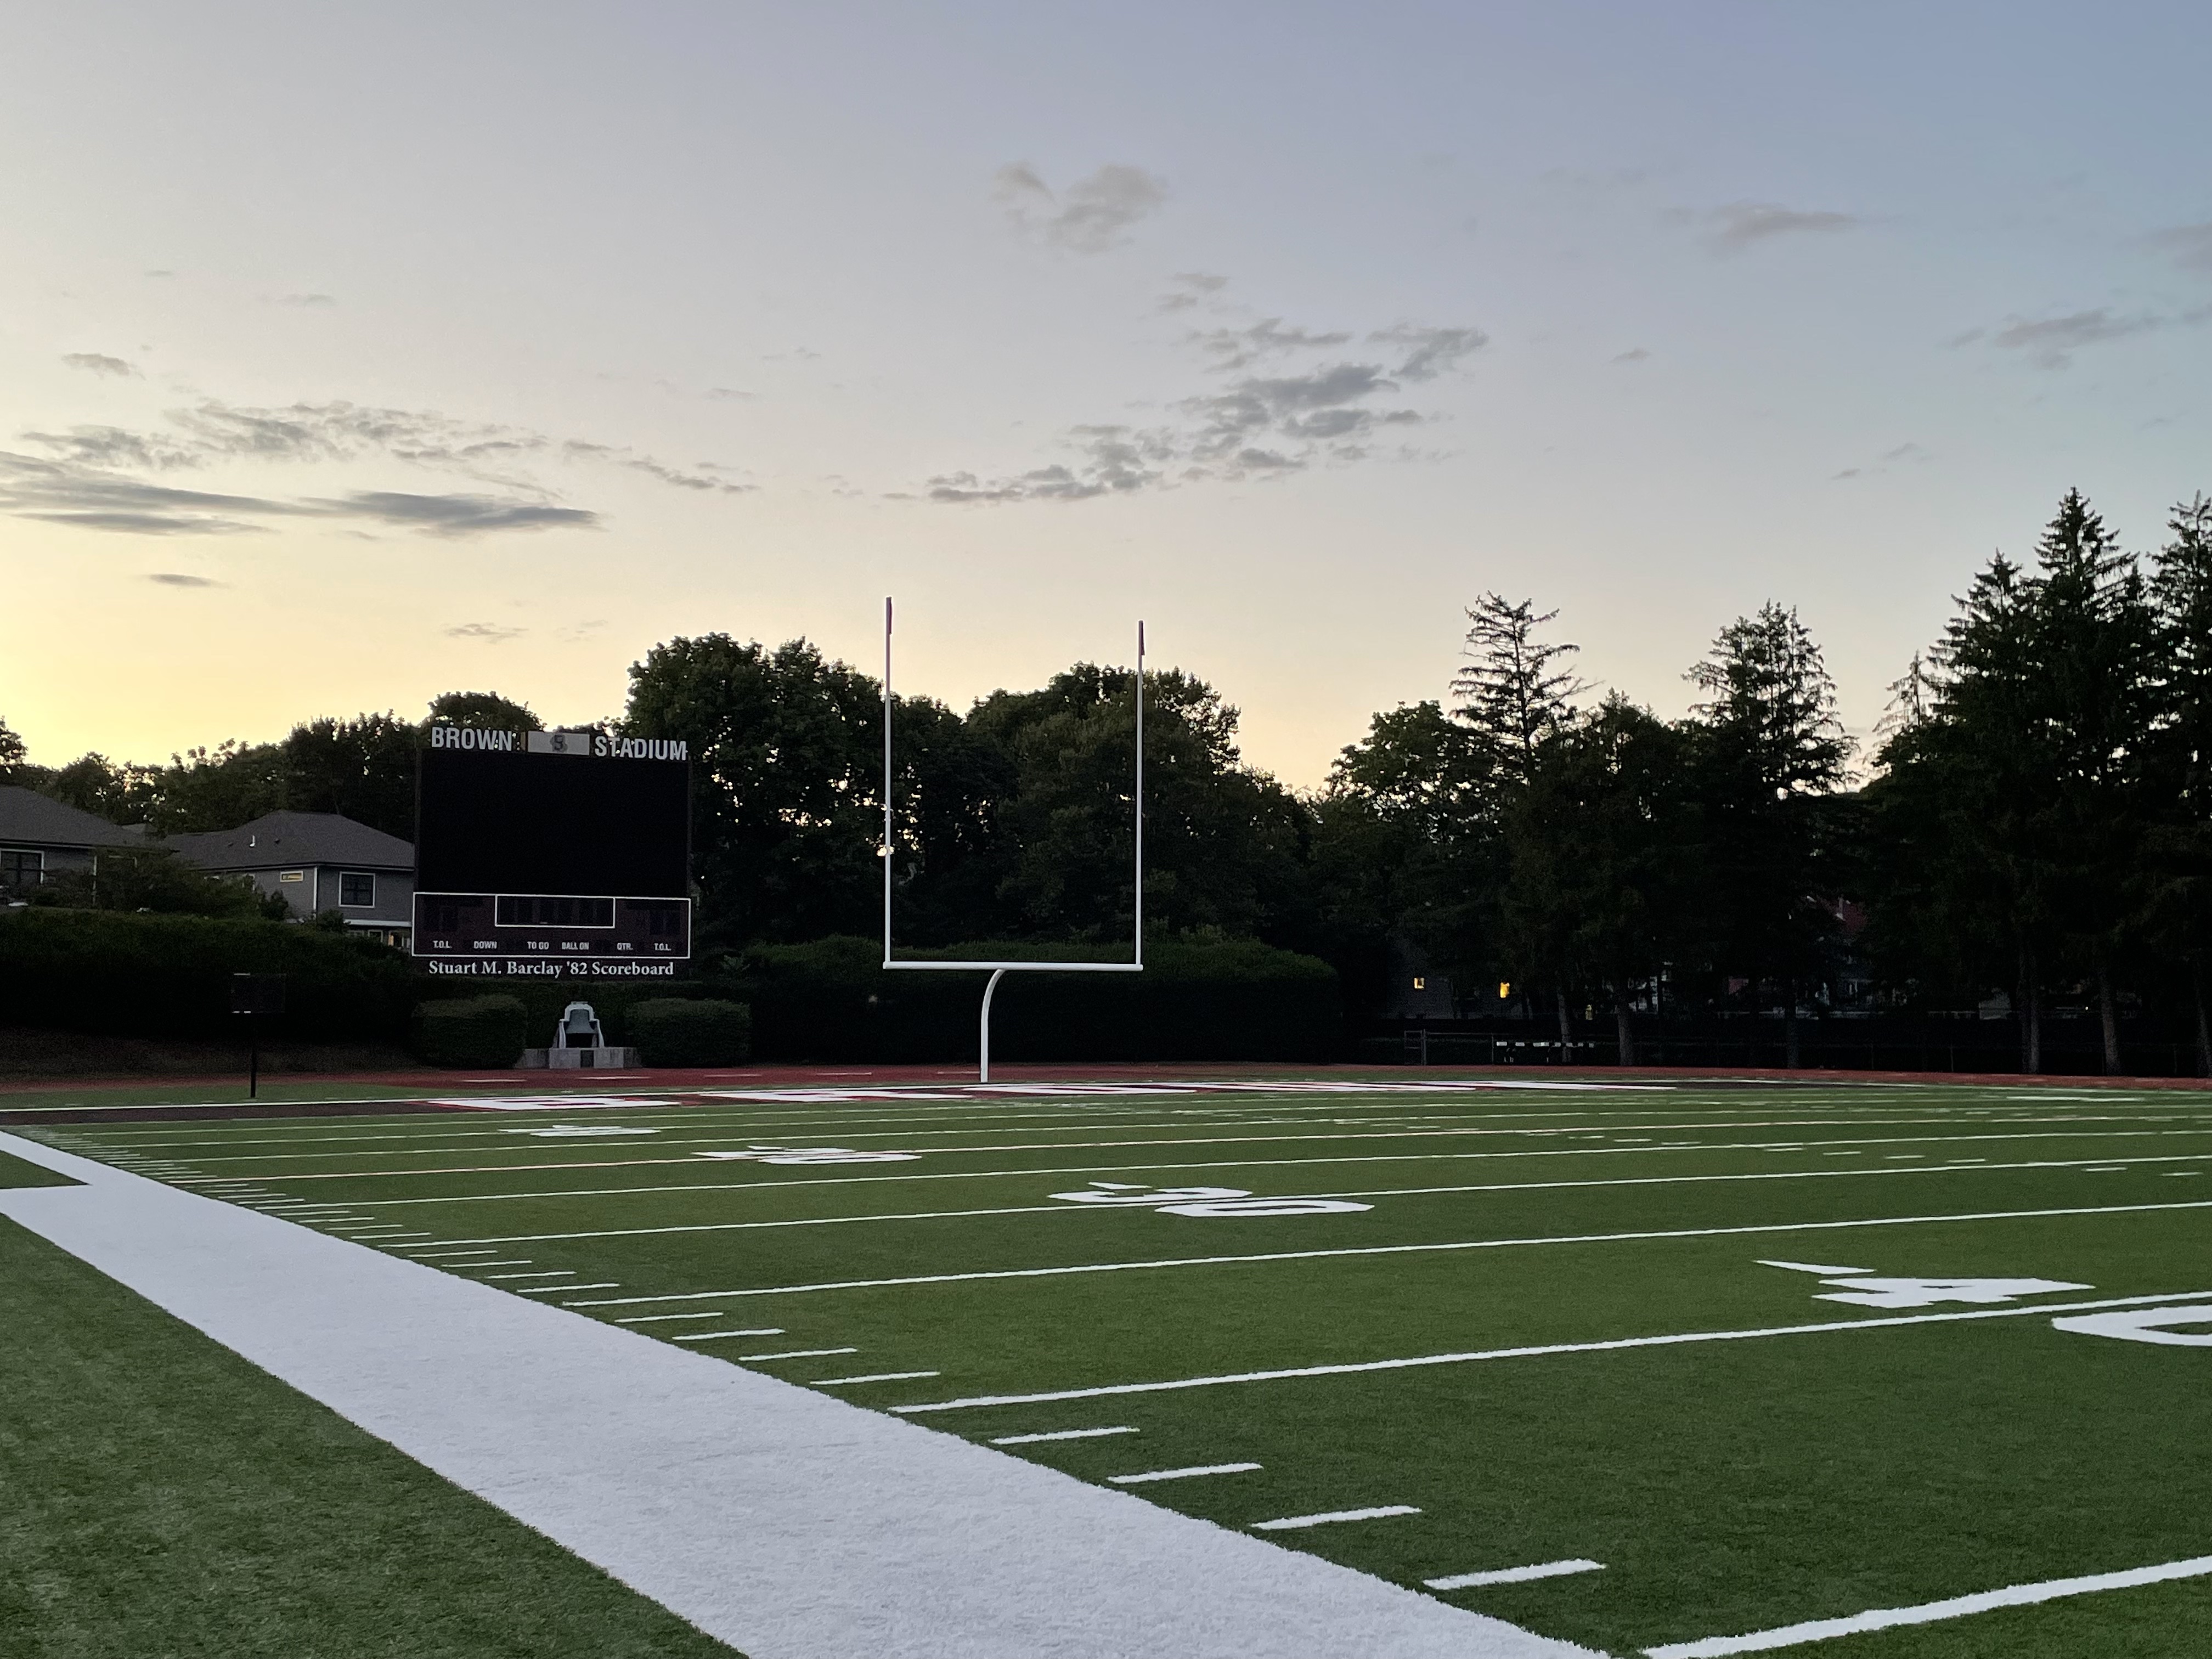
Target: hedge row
(1237,1000)
(145,975)
(481,1030)
(122,973)
(542,1000)
(701,1031)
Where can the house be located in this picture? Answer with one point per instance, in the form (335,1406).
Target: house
(40,838)
(316,862)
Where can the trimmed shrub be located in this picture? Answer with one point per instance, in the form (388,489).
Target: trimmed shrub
(129,973)
(471,1030)
(693,1031)
(543,999)
(1232,1000)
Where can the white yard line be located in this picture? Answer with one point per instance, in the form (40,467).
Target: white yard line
(2087,1165)
(682,1189)
(1057,1434)
(1299,1523)
(1513,1575)
(775,1517)
(1637,1144)
(1191,1473)
(798,1353)
(716,1336)
(1395,1249)
(1928,1612)
(877,1376)
(1536,1351)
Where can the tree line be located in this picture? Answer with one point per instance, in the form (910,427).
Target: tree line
(2032,823)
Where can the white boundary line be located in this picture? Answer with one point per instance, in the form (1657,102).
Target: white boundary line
(1539,1351)
(1395,1249)
(1928,1612)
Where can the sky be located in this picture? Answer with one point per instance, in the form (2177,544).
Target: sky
(352,354)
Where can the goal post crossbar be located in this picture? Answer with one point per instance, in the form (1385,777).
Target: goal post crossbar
(995,968)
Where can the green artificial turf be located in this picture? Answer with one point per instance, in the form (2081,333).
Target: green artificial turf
(16,1172)
(1727,1486)
(165,1498)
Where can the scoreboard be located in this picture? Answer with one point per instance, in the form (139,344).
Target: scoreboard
(555,854)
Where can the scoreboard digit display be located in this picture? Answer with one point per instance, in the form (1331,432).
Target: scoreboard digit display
(558,854)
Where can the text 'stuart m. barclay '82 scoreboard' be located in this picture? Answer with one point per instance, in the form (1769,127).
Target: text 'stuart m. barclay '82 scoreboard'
(561,853)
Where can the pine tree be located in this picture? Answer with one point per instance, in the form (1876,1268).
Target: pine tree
(2097,641)
(1514,688)
(2178,904)
(1773,752)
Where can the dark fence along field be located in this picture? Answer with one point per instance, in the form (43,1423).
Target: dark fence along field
(1883,1042)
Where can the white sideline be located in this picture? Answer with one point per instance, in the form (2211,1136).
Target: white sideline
(785,1522)
(1956,1606)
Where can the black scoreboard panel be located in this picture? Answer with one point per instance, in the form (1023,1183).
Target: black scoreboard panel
(524,860)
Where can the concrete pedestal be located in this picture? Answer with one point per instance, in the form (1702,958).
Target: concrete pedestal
(587,1059)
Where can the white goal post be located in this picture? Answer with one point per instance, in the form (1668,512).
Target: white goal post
(998,971)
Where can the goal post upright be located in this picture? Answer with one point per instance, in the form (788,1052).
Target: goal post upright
(1000,969)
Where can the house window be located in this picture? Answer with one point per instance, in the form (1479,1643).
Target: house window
(355,887)
(22,868)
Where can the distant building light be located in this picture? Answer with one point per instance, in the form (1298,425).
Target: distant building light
(1505,989)
(1419,984)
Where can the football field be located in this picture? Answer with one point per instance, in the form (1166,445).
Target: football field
(1678,1368)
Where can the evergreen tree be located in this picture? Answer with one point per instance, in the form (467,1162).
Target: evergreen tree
(1771,753)
(2177,909)
(2097,641)
(1598,844)
(1514,688)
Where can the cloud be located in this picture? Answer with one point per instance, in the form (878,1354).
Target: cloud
(1897,456)
(1433,350)
(1089,217)
(2190,244)
(726,394)
(2051,342)
(177,579)
(1254,427)
(301,300)
(1190,288)
(1740,225)
(1634,355)
(1235,348)
(488,633)
(83,477)
(67,492)
(96,362)
(653,469)
(456,515)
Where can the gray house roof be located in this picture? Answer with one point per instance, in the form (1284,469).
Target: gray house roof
(28,818)
(294,839)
